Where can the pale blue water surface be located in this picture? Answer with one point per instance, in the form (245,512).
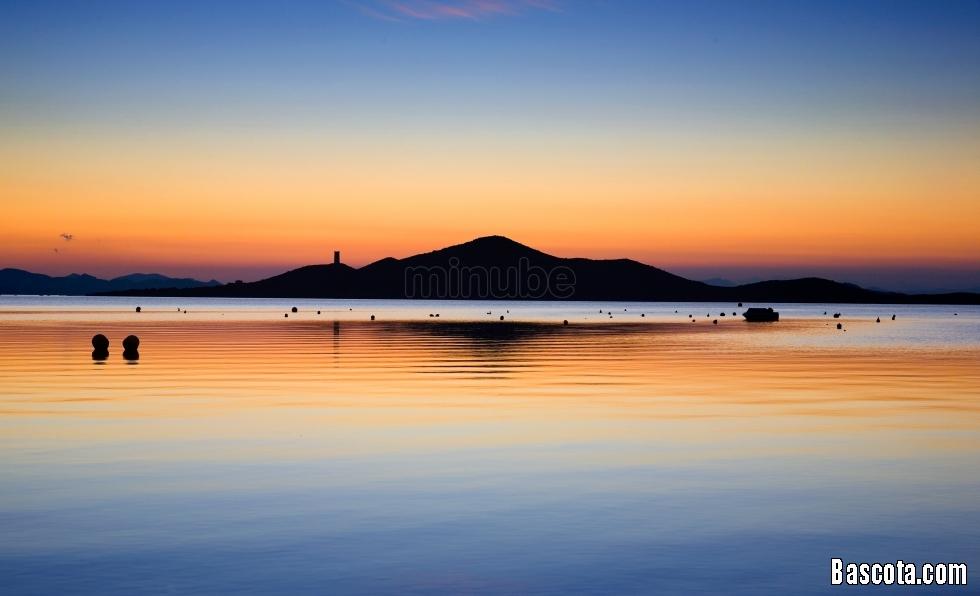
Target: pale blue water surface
(249,452)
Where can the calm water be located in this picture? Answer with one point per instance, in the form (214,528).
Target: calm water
(250,452)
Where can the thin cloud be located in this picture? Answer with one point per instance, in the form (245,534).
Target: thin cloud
(438,10)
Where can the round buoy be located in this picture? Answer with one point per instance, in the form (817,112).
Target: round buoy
(501,317)
(715,322)
(285,315)
(372,317)
(642,314)
(565,322)
(839,326)
(139,309)
(131,343)
(294,309)
(100,342)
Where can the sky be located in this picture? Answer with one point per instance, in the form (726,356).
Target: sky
(733,139)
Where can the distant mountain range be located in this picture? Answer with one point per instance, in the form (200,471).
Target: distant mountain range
(18,281)
(495,267)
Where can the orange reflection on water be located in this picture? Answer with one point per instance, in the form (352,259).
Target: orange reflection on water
(666,392)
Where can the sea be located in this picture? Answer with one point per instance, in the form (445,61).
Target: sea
(641,448)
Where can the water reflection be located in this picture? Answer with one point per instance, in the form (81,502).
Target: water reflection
(480,457)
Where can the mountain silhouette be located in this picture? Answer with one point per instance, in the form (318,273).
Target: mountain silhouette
(18,281)
(496,267)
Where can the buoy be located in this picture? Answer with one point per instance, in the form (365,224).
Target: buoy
(100,342)
(877,319)
(740,304)
(294,309)
(722,314)
(893,317)
(565,322)
(131,347)
(372,317)
(317,312)
(690,316)
(501,317)
(131,343)
(138,309)
(839,326)
(437,315)
(715,322)
(285,314)
(642,314)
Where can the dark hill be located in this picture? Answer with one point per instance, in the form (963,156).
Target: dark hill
(495,267)
(18,281)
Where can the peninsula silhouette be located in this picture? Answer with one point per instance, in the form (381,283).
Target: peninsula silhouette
(496,267)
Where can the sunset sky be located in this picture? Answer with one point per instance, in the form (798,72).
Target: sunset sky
(733,139)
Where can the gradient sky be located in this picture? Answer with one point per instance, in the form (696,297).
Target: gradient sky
(737,139)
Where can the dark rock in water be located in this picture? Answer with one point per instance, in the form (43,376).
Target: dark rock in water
(100,342)
(839,326)
(131,343)
(139,309)
(761,315)
(565,322)
(294,309)
(372,317)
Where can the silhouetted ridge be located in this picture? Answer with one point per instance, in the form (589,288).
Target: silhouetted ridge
(18,281)
(496,267)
